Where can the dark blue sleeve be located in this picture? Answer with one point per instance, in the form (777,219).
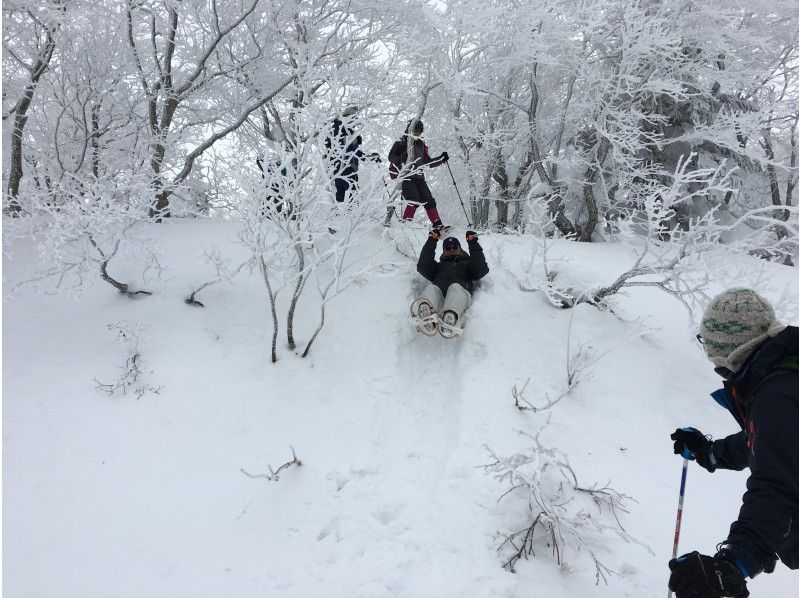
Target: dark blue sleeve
(730,452)
(767,524)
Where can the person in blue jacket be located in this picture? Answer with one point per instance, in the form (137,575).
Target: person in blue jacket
(757,358)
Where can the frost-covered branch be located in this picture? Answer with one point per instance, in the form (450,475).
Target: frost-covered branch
(274,474)
(562,515)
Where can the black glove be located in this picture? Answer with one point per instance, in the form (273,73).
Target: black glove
(375,156)
(471,236)
(692,444)
(444,157)
(696,575)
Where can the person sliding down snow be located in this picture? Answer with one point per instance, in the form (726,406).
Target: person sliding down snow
(444,301)
(407,158)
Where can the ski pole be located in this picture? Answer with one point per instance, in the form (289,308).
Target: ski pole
(458,194)
(680,513)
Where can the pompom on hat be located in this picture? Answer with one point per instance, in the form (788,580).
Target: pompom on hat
(734,324)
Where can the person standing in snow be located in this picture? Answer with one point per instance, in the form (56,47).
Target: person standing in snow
(450,292)
(408,156)
(757,357)
(343,149)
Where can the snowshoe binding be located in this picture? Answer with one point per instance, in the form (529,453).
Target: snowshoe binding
(427,319)
(450,325)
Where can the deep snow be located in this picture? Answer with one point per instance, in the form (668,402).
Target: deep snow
(128,498)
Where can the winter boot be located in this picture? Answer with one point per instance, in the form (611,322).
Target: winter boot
(441,228)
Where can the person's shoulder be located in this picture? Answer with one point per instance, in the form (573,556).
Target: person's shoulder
(776,396)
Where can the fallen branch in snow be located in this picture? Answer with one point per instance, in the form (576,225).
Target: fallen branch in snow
(521,403)
(272,476)
(122,287)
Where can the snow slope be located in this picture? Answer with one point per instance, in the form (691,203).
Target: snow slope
(128,498)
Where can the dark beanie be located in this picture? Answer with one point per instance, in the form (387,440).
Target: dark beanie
(415,123)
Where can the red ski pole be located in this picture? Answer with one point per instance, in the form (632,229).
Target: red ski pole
(680,513)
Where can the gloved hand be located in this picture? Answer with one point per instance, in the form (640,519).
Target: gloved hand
(696,575)
(445,157)
(434,234)
(471,236)
(692,444)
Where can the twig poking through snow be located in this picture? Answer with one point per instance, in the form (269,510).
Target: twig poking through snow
(272,476)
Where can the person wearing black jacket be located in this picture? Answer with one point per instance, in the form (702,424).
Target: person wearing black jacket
(407,160)
(757,357)
(343,149)
(449,295)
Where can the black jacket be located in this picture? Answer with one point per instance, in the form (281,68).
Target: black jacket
(763,399)
(463,269)
(343,146)
(398,156)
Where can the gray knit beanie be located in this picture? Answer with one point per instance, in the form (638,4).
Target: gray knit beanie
(734,324)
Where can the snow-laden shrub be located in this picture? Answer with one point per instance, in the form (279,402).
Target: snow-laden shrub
(558,514)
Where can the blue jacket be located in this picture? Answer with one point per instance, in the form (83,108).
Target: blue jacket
(763,400)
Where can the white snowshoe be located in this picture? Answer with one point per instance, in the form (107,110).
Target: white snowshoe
(450,325)
(427,319)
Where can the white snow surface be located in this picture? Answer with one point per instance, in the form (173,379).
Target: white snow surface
(125,497)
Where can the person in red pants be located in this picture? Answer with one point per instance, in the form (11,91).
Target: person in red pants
(407,159)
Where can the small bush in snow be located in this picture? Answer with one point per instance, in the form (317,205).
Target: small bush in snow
(561,515)
(132,369)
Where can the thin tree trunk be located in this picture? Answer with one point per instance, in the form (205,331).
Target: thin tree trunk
(95,137)
(589,200)
(317,331)
(774,186)
(273,309)
(298,289)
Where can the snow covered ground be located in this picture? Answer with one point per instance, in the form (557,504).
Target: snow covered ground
(125,497)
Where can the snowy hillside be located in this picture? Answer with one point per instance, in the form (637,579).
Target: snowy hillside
(125,496)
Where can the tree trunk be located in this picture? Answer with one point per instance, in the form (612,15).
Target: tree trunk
(298,289)
(589,200)
(21,118)
(555,207)
(774,187)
